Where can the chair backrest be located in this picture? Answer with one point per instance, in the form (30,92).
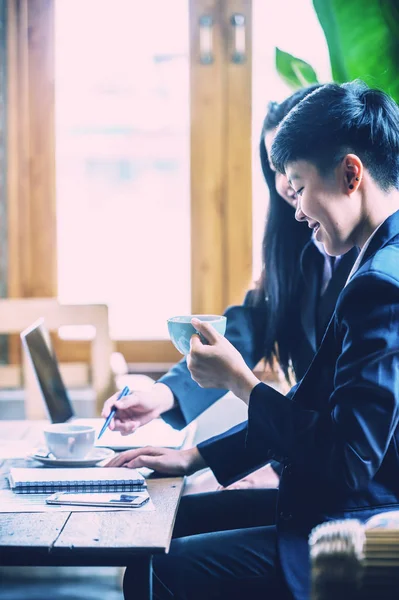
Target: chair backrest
(17,314)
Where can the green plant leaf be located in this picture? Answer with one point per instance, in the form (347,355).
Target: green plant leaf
(327,18)
(363,42)
(296,72)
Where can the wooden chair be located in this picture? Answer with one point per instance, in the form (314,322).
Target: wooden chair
(18,314)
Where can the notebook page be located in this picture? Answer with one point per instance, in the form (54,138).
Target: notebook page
(88,475)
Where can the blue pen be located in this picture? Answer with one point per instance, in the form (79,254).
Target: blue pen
(111,415)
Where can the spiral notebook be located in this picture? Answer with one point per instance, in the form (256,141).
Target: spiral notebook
(42,481)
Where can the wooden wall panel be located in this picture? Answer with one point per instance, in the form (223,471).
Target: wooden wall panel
(3,169)
(18,149)
(142,351)
(31,156)
(32,249)
(221,165)
(207,164)
(43,280)
(238,156)
(3,155)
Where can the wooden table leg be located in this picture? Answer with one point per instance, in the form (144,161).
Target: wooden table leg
(139,583)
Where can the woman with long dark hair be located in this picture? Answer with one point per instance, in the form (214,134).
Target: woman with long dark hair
(284,239)
(299,281)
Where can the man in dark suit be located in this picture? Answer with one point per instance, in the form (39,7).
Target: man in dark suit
(288,310)
(337,431)
(253,503)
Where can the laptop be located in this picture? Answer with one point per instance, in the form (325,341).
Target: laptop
(37,344)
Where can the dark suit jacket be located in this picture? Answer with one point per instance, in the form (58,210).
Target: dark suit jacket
(336,432)
(246,325)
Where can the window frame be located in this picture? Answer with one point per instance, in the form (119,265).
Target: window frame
(220,153)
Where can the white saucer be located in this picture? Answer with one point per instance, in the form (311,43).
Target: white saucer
(91,460)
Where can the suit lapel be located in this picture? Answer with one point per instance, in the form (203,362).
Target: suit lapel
(328,300)
(387,232)
(307,392)
(312,263)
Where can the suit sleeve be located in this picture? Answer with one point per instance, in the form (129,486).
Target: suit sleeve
(246,331)
(345,442)
(228,455)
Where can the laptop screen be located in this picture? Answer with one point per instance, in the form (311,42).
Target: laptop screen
(46,369)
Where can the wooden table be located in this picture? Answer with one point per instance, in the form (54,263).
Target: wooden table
(87,538)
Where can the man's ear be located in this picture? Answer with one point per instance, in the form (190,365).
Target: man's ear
(352,172)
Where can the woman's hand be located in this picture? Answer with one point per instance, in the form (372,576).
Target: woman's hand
(138,408)
(162,460)
(219,364)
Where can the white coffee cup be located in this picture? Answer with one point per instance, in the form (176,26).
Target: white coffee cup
(66,440)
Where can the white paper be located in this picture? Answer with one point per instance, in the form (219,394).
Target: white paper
(15,449)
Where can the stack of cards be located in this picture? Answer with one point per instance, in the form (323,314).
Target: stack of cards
(351,560)
(336,552)
(381,561)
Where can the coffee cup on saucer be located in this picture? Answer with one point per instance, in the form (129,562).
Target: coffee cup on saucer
(65,440)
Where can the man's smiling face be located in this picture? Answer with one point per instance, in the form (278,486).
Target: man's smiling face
(324,202)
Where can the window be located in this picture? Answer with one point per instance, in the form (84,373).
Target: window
(123,160)
(153,162)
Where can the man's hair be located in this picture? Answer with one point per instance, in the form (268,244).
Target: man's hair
(336,120)
(276,111)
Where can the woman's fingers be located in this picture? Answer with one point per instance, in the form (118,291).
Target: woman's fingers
(129,455)
(157,463)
